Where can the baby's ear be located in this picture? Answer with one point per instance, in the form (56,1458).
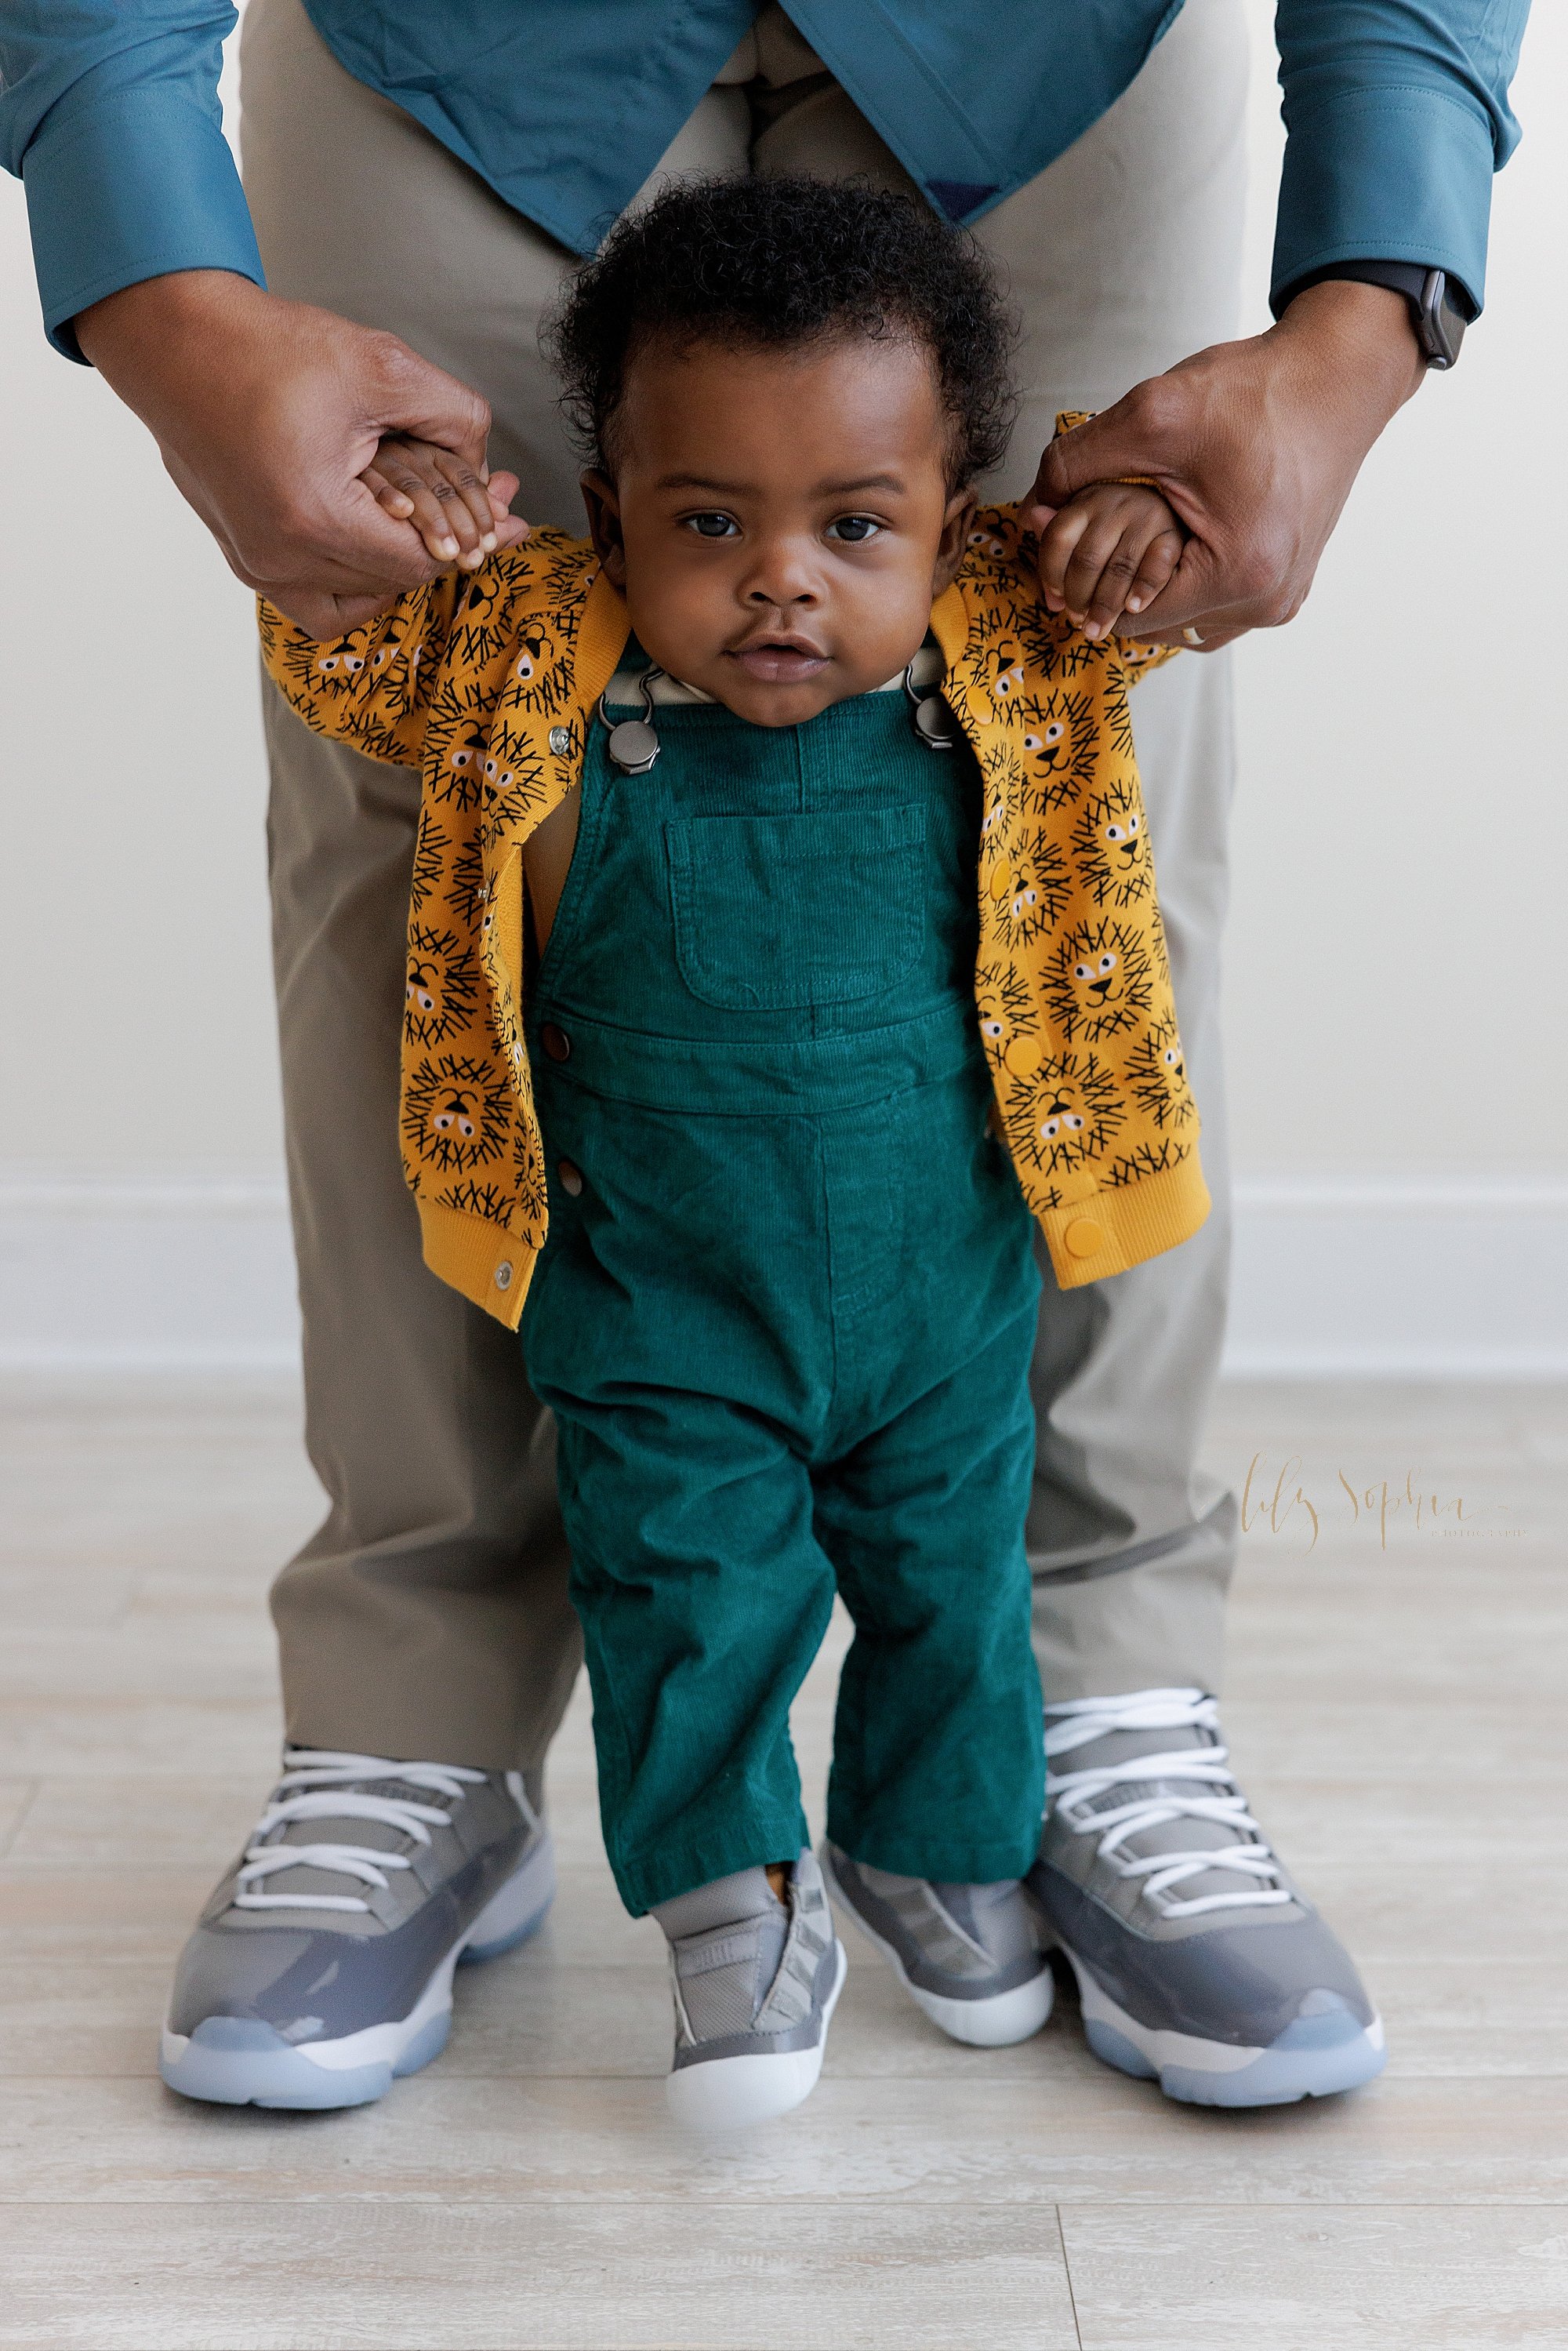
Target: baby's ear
(604,523)
(953,545)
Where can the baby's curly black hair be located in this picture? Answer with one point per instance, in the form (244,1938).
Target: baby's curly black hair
(777,263)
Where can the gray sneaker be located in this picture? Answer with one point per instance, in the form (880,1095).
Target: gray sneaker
(1199,1963)
(321,1968)
(968,1955)
(756,1982)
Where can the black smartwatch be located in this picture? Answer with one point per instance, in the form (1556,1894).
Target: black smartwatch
(1441,309)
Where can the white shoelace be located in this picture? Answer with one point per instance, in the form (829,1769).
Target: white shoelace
(1073,1796)
(316,1786)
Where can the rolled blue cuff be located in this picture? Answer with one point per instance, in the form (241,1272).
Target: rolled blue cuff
(133,187)
(1387,174)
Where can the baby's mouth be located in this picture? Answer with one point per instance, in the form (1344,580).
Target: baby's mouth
(779,661)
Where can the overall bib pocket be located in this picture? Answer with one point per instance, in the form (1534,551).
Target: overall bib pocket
(777,914)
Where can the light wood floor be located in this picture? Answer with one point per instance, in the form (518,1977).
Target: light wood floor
(1395,1701)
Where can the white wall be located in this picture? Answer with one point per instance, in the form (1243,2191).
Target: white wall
(1396,1040)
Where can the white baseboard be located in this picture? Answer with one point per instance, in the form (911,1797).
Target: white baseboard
(1419,1278)
(1422,1278)
(156,1276)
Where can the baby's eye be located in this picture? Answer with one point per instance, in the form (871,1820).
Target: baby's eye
(853,529)
(712,525)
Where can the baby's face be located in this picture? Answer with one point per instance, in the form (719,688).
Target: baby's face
(780,522)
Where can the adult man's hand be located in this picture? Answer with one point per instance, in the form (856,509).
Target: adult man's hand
(267,413)
(1255,444)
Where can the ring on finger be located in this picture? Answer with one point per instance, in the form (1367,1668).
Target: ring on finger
(1190,637)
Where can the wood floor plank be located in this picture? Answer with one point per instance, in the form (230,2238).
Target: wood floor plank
(1359,1744)
(621,2277)
(224,1655)
(112,1737)
(1447,2277)
(168,1819)
(60,1913)
(16,1800)
(53,1596)
(1024,2143)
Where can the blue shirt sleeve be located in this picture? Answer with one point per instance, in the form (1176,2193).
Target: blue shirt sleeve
(108,112)
(1397,116)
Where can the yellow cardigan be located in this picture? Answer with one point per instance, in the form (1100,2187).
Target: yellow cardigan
(487,682)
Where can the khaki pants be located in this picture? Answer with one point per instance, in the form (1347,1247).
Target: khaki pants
(428,1616)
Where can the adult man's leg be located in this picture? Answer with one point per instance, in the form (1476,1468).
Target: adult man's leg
(428,1616)
(1213,1973)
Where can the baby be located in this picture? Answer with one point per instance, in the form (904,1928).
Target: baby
(784,961)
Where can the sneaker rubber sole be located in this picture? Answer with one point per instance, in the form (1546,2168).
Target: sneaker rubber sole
(998,2022)
(237,2061)
(726,2094)
(1315,2057)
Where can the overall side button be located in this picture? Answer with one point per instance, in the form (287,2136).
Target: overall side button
(556,1041)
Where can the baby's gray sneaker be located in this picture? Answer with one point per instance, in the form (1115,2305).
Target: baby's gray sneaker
(755,1981)
(1200,1963)
(968,1955)
(321,1968)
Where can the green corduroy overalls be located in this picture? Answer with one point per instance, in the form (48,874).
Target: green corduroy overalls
(786,1307)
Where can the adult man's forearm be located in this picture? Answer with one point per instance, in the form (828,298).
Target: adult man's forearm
(1255,444)
(1397,116)
(112,117)
(267,413)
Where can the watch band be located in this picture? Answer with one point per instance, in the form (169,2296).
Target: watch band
(1440,309)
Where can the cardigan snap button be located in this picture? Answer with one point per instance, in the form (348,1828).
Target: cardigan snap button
(504,1275)
(556,1041)
(561,741)
(571,1176)
(1083,1236)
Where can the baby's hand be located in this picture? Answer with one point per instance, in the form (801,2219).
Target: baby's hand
(461,517)
(1109,550)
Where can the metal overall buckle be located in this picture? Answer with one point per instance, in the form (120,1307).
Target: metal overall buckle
(633,742)
(934,722)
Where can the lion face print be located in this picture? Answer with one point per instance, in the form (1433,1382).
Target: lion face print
(441,989)
(1006,1014)
(395,647)
(515,787)
(1111,843)
(1002,784)
(459,767)
(1100,981)
(538,678)
(1156,1072)
(1061,745)
(1064,1115)
(456,1112)
(472,1197)
(1004,679)
(528,1176)
(338,667)
(467,889)
(1029,887)
(431,851)
(528,656)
